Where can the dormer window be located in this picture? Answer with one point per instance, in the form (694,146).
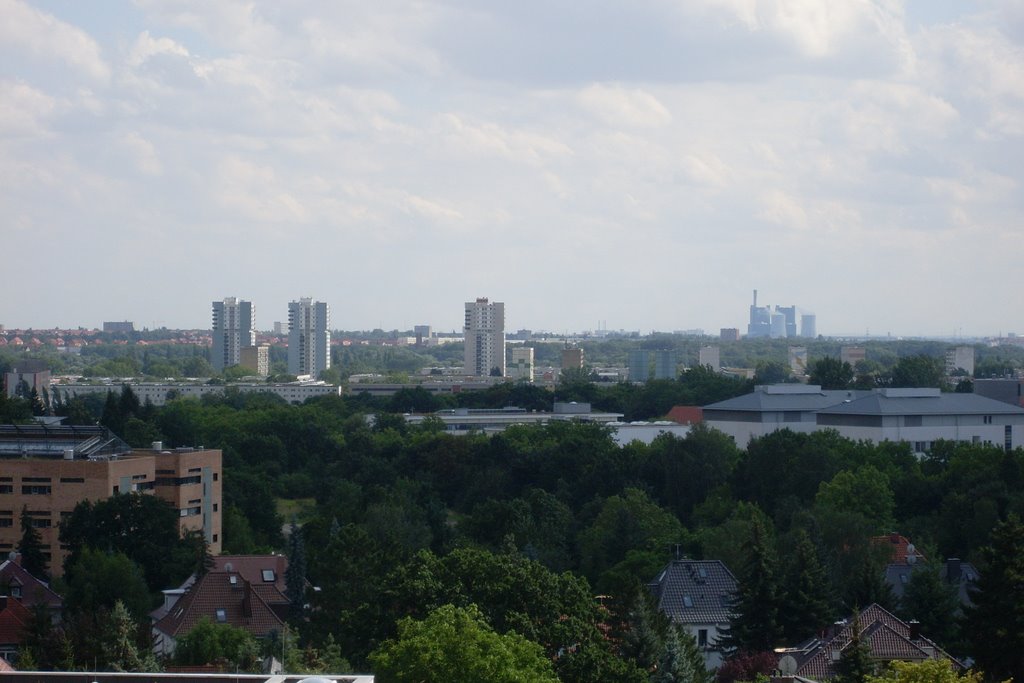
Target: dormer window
(15,591)
(233,580)
(687,601)
(268,575)
(222,615)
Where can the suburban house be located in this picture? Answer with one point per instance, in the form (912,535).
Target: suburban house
(222,597)
(697,595)
(20,593)
(888,638)
(918,416)
(906,559)
(14,620)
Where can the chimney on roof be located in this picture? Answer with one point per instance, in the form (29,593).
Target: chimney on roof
(894,537)
(3,602)
(915,629)
(953,570)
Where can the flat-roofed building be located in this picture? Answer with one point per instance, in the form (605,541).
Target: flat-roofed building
(48,470)
(521,366)
(255,358)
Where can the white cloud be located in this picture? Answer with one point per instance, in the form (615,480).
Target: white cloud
(45,37)
(23,110)
(618,106)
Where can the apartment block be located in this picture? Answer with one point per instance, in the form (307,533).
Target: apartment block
(48,470)
(484,333)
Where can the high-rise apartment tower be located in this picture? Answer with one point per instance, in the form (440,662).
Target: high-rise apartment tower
(309,337)
(233,330)
(484,332)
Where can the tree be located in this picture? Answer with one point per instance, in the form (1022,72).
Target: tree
(831,373)
(806,595)
(770,372)
(919,371)
(295,575)
(995,623)
(934,603)
(209,643)
(681,660)
(855,664)
(927,671)
(31,548)
(755,626)
(458,646)
(121,643)
(98,580)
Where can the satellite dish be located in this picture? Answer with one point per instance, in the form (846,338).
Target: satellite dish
(911,553)
(787,665)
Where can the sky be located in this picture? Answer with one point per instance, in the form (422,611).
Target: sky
(639,165)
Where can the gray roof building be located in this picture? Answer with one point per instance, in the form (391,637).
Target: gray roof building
(697,594)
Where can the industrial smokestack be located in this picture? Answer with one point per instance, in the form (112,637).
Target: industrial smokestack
(755,298)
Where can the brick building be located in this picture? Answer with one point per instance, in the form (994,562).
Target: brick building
(48,470)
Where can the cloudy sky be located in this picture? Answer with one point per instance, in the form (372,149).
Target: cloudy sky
(638,164)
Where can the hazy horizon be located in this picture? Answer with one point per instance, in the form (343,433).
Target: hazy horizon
(640,165)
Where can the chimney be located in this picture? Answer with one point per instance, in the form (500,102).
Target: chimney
(915,629)
(3,602)
(953,570)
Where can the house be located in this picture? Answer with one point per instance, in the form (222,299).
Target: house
(887,637)
(958,574)
(697,594)
(265,574)
(14,619)
(222,597)
(19,585)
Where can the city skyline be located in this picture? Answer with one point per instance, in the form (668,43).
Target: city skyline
(652,161)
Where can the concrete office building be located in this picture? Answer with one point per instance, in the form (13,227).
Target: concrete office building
(484,334)
(572,358)
(521,367)
(665,364)
(309,337)
(960,358)
(760,323)
(639,370)
(48,470)
(158,393)
(710,356)
(729,334)
(256,359)
(423,334)
(1006,390)
(233,329)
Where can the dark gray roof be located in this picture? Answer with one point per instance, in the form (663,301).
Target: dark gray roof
(893,402)
(695,591)
(962,575)
(786,397)
(51,441)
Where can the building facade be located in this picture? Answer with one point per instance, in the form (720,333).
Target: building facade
(710,356)
(159,393)
(233,329)
(256,359)
(521,367)
(572,358)
(48,470)
(309,337)
(484,334)
(639,371)
(665,364)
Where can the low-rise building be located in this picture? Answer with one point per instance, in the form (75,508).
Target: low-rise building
(468,420)
(697,594)
(158,393)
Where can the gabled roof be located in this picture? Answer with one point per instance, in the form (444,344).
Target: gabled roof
(242,607)
(695,591)
(960,575)
(887,636)
(264,572)
(921,402)
(33,591)
(13,619)
(686,415)
(900,547)
(785,397)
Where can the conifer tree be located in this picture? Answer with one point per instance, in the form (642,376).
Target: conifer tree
(806,594)
(855,663)
(295,575)
(120,645)
(754,626)
(31,548)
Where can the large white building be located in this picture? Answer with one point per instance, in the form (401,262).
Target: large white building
(522,364)
(309,337)
(233,330)
(484,333)
(918,416)
(158,393)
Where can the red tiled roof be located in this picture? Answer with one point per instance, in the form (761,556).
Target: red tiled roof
(686,415)
(887,637)
(13,618)
(241,604)
(5,666)
(252,567)
(33,591)
(900,545)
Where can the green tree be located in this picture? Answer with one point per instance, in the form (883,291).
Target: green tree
(754,626)
(935,604)
(457,645)
(919,371)
(831,373)
(855,664)
(295,575)
(806,592)
(681,660)
(210,643)
(31,548)
(770,372)
(864,491)
(927,671)
(121,643)
(98,580)
(995,623)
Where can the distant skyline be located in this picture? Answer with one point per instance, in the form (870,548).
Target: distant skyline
(644,164)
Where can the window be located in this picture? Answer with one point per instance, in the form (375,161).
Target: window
(216,506)
(215,476)
(687,601)
(702,637)
(36,480)
(268,575)
(6,488)
(41,523)
(911,420)
(6,522)
(15,591)
(987,419)
(72,480)
(215,538)
(35,490)
(222,615)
